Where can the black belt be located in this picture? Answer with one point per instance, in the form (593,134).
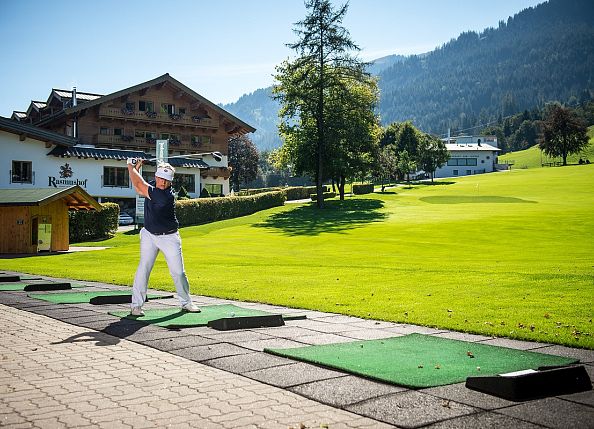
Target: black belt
(173,231)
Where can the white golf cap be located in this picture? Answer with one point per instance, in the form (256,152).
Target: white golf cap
(165,171)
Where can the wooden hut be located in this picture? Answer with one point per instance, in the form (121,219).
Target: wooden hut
(36,220)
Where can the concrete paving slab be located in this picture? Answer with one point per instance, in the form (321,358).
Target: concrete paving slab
(240,335)
(292,375)
(463,336)
(411,409)
(369,334)
(177,342)
(413,329)
(553,413)
(287,331)
(211,351)
(243,363)
(460,393)
(585,356)
(516,344)
(322,326)
(343,391)
(321,338)
(273,343)
(483,420)
(373,324)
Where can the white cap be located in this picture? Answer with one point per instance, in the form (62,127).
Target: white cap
(165,171)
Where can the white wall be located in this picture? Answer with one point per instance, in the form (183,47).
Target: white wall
(485,160)
(87,173)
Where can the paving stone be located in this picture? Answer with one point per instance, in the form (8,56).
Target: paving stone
(322,326)
(553,413)
(208,352)
(369,334)
(342,391)
(410,409)
(243,363)
(292,375)
(177,342)
(285,331)
(460,393)
(483,420)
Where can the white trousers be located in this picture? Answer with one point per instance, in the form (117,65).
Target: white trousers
(150,245)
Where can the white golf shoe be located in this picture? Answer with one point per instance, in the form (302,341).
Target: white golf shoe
(136,311)
(191,308)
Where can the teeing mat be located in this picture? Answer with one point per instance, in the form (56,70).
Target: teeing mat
(84,297)
(418,361)
(5,287)
(176,318)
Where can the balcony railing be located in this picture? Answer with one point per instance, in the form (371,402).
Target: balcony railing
(223,172)
(152,117)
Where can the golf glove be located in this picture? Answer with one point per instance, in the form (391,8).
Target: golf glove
(131,161)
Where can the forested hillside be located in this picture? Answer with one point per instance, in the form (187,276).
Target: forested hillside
(541,54)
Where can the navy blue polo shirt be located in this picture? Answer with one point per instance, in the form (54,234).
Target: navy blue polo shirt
(159,210)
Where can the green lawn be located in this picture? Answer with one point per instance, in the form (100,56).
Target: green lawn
(534,158)
(507,254)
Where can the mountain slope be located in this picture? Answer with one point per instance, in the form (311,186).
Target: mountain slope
(542,54)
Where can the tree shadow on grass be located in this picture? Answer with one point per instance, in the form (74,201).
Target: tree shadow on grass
(336,217)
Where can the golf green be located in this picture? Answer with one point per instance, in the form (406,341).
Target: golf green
(5,287)
(418,361)
(175,317)
(83,297)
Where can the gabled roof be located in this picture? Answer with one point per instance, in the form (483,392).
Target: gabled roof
(120,155)
(166,78)
(76,198)
(28,130)
(18,115)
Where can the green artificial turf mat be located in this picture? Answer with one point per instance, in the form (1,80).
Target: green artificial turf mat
(83,297)
(418,361)
(21,286)
(175,317)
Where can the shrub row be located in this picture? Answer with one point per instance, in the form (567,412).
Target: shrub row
(204,210)
(292,192)
(363,189)
(314,197)
(87,225)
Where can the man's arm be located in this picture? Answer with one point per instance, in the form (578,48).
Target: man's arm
(138,182)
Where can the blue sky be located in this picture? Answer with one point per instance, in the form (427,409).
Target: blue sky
(221,49)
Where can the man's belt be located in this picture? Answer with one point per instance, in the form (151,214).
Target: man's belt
(173,231)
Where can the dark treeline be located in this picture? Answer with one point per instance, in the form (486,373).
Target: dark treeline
(523,130)
(540,55)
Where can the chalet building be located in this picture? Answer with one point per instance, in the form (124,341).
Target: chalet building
(469,155)
(91,135)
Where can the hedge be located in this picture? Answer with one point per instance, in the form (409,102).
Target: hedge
(203,210)
(362,189)
(292,192)
(326,195)
(86,225)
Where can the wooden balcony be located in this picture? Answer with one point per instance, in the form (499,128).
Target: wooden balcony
(154,117)
(215,172)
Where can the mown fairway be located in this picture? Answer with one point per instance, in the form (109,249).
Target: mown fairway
(507,254)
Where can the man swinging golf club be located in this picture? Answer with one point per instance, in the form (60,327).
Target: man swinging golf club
(160,233)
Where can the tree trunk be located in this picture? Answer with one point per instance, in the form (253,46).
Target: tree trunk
(341,187)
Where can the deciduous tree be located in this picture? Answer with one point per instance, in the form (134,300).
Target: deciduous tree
(563,133)
(243,159)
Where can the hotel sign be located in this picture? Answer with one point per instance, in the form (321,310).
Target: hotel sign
(65,178)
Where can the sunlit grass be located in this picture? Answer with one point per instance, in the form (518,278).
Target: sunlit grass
(507,254)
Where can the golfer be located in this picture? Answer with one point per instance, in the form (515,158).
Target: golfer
(160,233)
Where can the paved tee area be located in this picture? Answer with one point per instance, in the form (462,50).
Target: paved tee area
(76,366)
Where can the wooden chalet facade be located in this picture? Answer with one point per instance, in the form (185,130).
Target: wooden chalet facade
(109,128)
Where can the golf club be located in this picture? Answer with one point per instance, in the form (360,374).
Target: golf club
(218,156)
